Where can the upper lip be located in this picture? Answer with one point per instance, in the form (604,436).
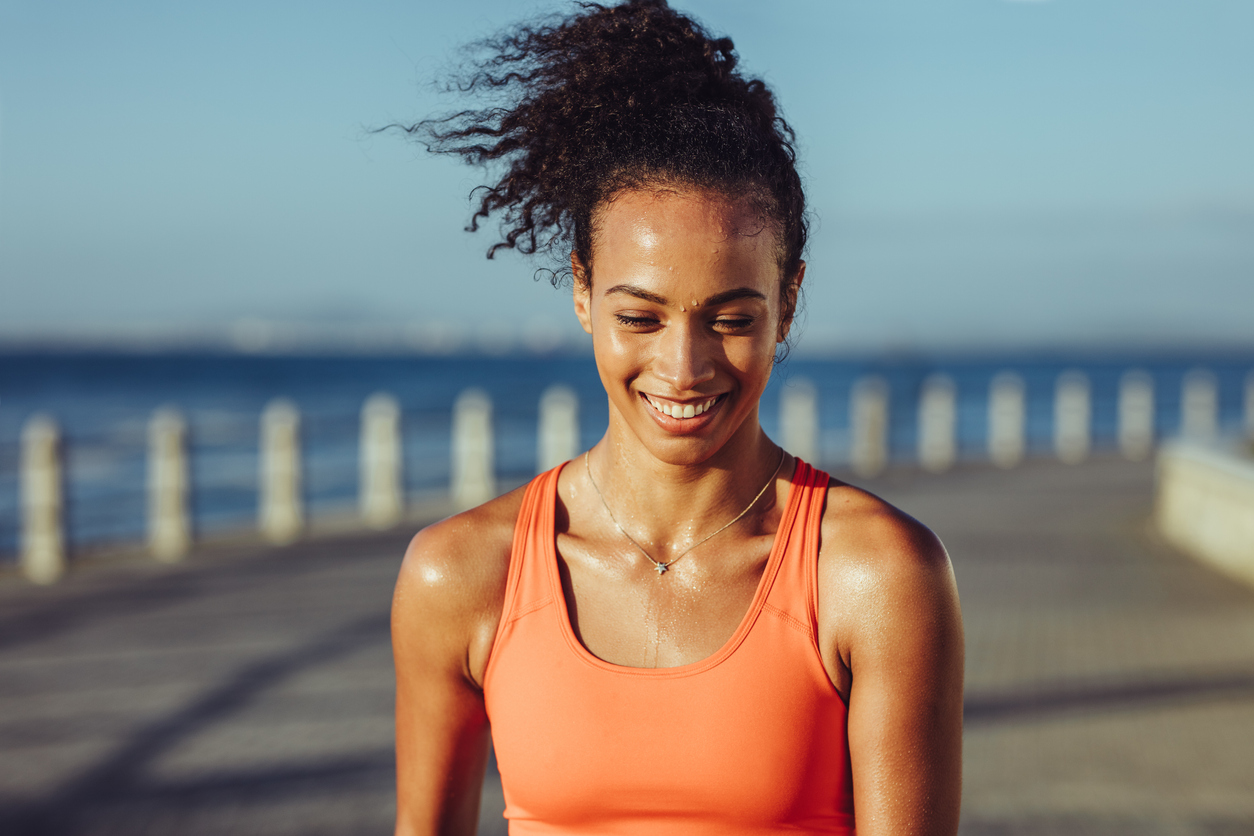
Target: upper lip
(683,401)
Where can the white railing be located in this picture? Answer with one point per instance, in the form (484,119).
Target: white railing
(282,515)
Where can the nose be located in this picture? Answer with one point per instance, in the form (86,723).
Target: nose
(684,360)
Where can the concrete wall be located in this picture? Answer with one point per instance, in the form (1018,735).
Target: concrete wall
(1205,505)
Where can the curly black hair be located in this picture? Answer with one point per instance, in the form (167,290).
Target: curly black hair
(615,97)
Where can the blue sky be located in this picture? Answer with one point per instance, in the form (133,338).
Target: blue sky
(982,172)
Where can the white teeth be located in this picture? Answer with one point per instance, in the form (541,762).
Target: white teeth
(681,410)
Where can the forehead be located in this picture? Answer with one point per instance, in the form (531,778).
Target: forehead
(688,226)
(681,210)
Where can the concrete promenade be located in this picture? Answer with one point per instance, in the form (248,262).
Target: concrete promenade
(1110,681)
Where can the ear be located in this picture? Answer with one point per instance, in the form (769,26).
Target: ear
(788,295)
(582,291)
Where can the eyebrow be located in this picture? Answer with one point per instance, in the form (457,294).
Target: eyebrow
(717,299)
(732,295)
(638,292)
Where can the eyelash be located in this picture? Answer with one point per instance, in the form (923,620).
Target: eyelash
(634,321)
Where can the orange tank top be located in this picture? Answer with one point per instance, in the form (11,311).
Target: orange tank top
(751,740)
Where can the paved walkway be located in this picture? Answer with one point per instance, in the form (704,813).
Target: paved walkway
(1110,683)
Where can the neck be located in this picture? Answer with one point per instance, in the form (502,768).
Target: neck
(668,506)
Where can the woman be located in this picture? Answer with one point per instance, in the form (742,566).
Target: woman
(686,629)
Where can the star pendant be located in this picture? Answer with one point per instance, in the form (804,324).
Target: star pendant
(660,568)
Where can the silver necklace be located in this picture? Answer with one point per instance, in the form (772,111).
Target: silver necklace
(659,567)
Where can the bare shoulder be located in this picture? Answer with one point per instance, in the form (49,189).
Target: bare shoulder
(884,578)
(870,537)
(451,585)
(458,559)
(890,632)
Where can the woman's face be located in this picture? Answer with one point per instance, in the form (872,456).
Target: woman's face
(684,310)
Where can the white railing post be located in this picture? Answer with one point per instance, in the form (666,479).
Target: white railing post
(43,504)
(282,515)
(1072,417)
(1199,406)
(1136,414)
(938,422)
(169,487)
(380,493)
(474,481)
(799,420)
(1249,406)
(558,432)
(868,453)
(1007,419)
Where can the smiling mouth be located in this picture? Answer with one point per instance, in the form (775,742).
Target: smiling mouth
(681,410)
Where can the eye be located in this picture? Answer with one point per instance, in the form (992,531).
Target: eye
(732,324)
(633,320)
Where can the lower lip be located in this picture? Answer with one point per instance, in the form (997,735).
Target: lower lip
(684,426)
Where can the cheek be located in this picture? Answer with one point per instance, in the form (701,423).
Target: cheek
(754,360)
(618,357)
(617,347)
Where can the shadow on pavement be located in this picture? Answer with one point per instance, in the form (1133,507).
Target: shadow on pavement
(1072,697)
(118,780)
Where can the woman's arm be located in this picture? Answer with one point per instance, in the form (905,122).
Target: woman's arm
(444,615)
(898,636)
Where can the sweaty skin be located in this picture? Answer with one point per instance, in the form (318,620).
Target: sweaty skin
(685,301)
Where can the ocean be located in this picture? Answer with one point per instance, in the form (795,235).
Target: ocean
(103,401)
